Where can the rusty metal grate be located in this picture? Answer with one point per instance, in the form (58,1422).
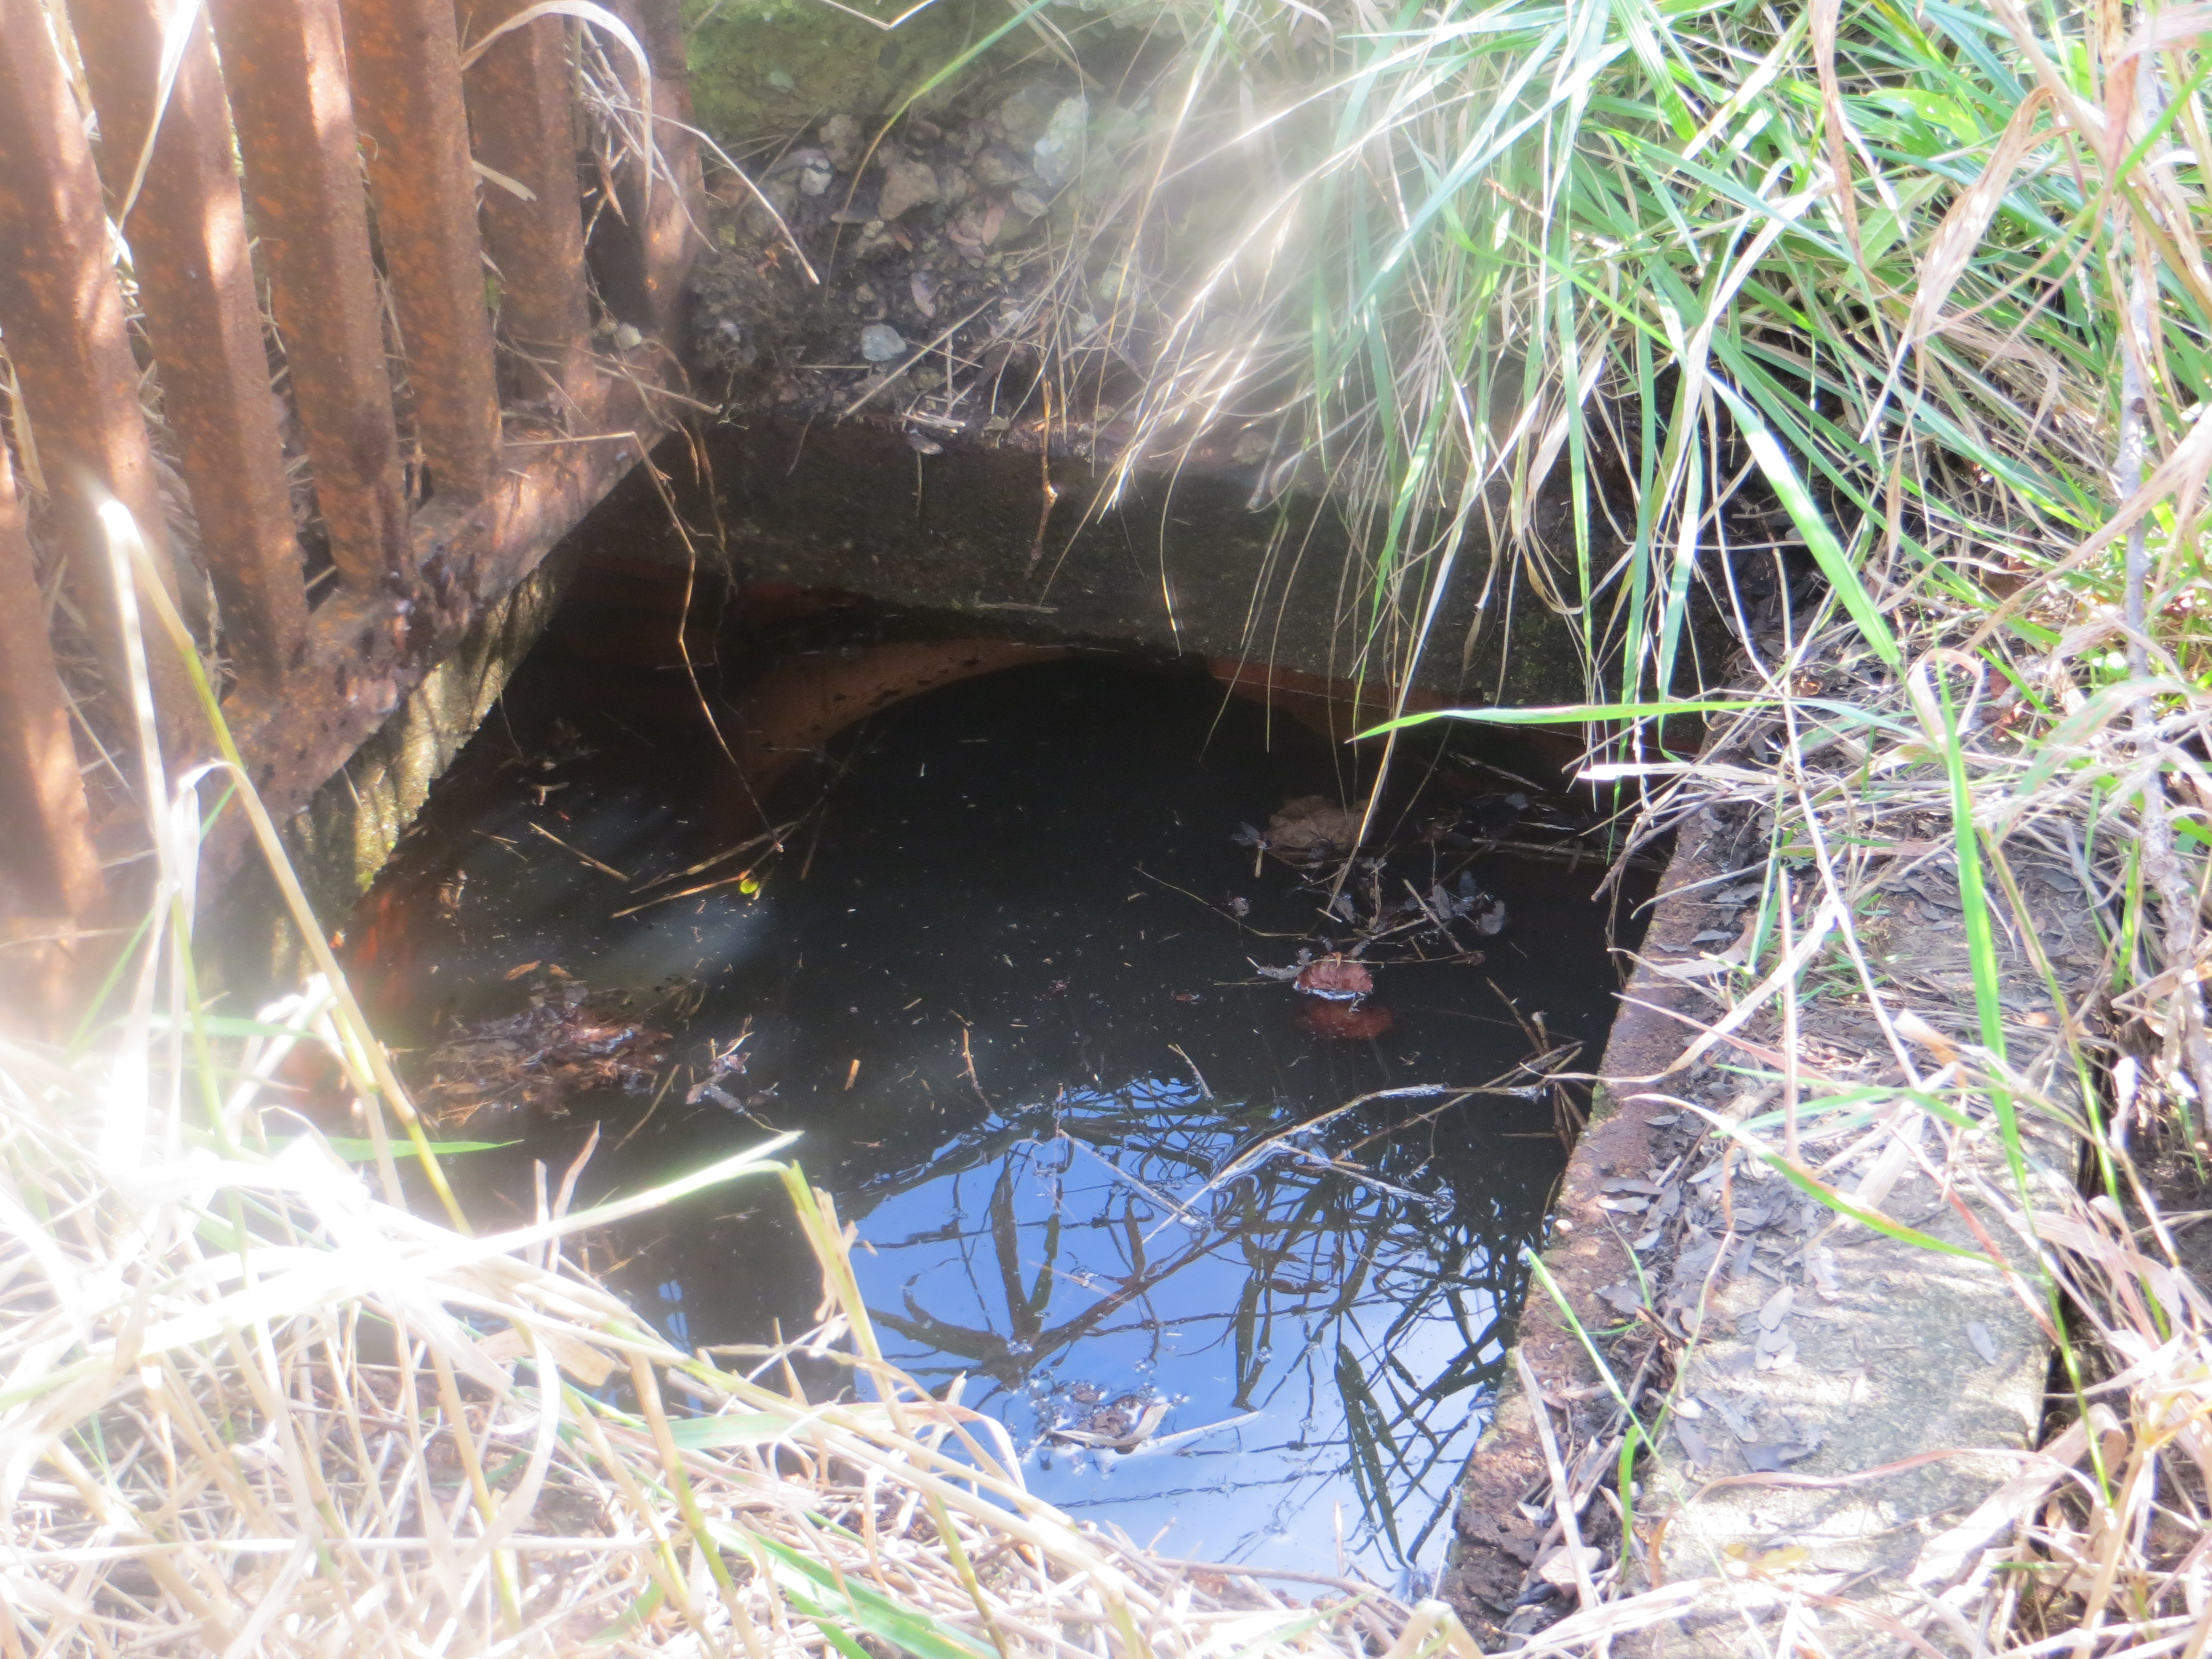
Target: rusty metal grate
(453,390)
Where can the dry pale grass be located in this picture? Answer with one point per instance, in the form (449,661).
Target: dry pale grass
(251,1406)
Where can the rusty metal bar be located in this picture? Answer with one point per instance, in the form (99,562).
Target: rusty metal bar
(48,867)
(406,71)
(374,657)
(414,582)
(186,233)
(671,239)
(646,258)
(284,61)
(521,107)
(61,314)
(49,877)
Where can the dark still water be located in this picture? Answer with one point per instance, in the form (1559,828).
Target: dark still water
(1004,978)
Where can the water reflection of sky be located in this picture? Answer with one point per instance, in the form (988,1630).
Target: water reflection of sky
(1294,1306)
(1324,1339)
(984,998)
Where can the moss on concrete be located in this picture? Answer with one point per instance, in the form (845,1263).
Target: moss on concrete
(349,830)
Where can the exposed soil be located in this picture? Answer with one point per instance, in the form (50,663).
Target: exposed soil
(947,287)
(2179,1178)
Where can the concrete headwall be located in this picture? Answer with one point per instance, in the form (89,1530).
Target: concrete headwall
(1185,564)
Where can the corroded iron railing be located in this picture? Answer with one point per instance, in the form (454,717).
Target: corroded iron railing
(460,377)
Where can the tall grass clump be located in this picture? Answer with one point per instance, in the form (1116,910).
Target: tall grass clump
(2029,1054)
(1656,306)
(1629,298)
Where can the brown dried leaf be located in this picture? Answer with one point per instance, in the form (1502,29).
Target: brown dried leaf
(1338,978)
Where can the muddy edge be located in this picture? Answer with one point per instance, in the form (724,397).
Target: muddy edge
(1495,1543)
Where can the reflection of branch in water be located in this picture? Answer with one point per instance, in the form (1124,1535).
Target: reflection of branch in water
(984,1345)
(1544,1067)
(1538,1066)
(1359,1257)
(1119,1174)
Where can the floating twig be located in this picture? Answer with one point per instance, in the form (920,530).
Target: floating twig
(596,864)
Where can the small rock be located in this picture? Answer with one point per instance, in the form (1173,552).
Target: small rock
(840,138)
(1025,116)
(795,160)
(779,191)
(997,167)
(875,241)
(1059,152)
(954,187)
(1027,202)
(976,225)
(880,343)
(906,185)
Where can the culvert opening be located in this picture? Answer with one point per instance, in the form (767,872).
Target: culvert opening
(1044,956)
